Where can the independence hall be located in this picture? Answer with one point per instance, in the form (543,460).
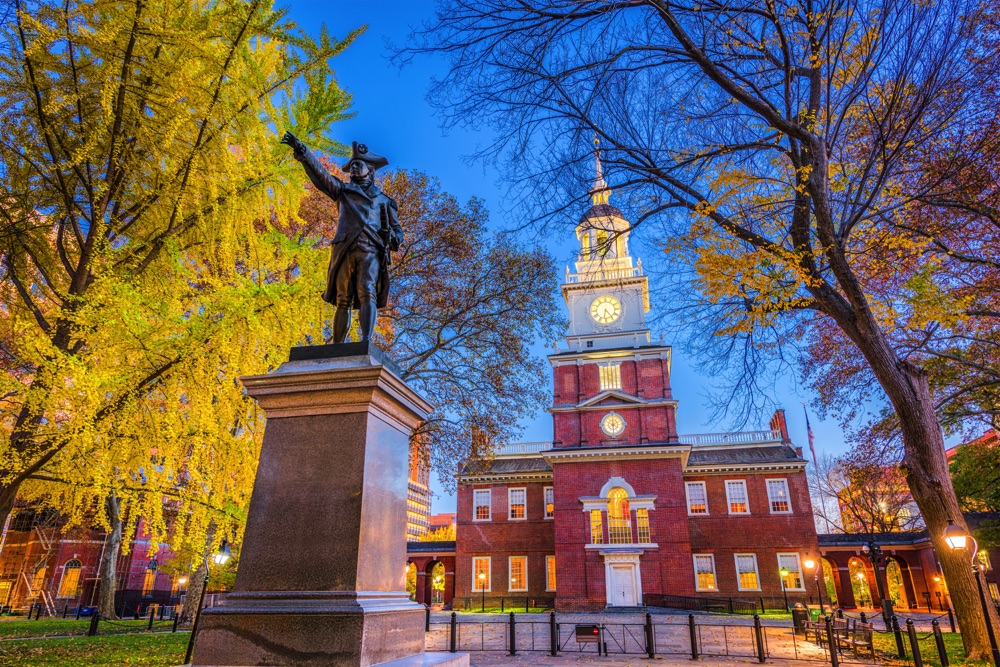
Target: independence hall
(619,506)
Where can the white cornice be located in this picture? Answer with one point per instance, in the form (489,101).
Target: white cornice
(540,476)
(612,406)
(719,469)
(572,358)
(579,454)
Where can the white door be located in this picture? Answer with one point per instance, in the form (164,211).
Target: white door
(622,586)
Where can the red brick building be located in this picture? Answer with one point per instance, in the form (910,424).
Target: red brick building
(619,506)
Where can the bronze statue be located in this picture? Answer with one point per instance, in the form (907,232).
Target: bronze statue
(367,232)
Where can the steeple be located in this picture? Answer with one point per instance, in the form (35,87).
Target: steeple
(599,191)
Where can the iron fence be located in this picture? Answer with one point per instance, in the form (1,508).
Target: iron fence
(504,604)
(718,605)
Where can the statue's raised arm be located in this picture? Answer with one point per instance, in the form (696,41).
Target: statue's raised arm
(367,231)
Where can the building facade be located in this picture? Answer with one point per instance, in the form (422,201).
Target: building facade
(618,506)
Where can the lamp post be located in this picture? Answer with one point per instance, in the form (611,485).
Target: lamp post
(482,587)
(874,551)
(861,579)
(783,572)
(810,564)
(220,558)
(957,538)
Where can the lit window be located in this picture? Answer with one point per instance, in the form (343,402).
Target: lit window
(619,517)
(596,527)
(736,496)
(697,498)
(704,572)
(38,581)
(585,245)
(70,582)
(550,573)
(790,562)
(481,504)
(746,572)
(481,580)
(148,581)
(516,503)
(984,559)
(602,243)
(642,525)
(611,376)
(518,566)
(550,503)
(5,587)
(777,496)
(994,592)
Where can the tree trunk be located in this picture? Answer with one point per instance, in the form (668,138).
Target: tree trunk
(109,558)
(926,468)
(8,494)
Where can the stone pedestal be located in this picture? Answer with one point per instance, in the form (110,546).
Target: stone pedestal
(321,579)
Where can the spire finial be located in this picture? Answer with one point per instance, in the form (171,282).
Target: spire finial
(599,192)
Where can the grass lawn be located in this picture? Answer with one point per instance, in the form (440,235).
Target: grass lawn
(885,645)
(134,650)
(50,627)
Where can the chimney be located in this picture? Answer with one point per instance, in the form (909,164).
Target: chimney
(778,423)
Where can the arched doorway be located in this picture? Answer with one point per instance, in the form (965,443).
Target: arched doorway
(411,580)
(435,576)
(831,577)
(896,580)
(859,583)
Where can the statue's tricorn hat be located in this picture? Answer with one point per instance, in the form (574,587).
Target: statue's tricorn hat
(361,152)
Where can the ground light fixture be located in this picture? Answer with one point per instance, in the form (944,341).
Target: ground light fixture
(957,539)
(783,572)
(482,587)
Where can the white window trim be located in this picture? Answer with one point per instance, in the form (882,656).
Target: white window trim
(788,494)
(545,514)
(687,497)
(798,561)
(510,561)
(746,496)
(509,504)
(715,573)
(489,574)
(489,504)
(553,559)
(756,569)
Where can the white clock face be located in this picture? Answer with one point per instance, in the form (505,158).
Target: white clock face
(613,425)
(605,309)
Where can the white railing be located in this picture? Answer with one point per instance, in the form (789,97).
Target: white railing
(735,438)
(614,274)
(515,448)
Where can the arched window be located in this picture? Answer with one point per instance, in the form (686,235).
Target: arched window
(70,582)
(619,517)
(585,245)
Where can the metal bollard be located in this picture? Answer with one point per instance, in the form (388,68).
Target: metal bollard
(694,637)
(427,618)
(513,634)
(453,639)
(554,634)
(939,641)
(162,608)
(650,641)
(65,610)
(900,647)
(951,619)
(758,633)
(864,619)
(831,642)
(78,608)
(177,617)
(152,616)
(912,633)
(94,620)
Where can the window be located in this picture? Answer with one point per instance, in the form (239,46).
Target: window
(777,496)
(148,581)
(5,587)
(790,562)
(518,572)
(70,582)
(481,504)
(516,503)
(994,592)
(596,527)
(736,496)
(550,503)
(704,572)
(550,573)
(642,526)
(746,572)
(38,581)
(619,517)
(697,498)
(611,376)
(481,579)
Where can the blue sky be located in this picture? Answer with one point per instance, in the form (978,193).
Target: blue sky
(394,119)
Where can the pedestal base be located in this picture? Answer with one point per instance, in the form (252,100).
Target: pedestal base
(309,629)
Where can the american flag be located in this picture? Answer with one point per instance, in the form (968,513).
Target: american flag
(812,440)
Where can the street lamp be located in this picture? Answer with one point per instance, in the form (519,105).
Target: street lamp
(482,587)
(957,538)
(861,578)
(874,551)
(784,573)
(221,557)
(810,564)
